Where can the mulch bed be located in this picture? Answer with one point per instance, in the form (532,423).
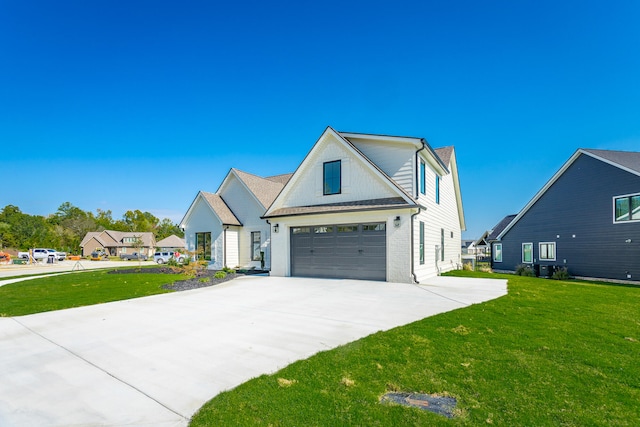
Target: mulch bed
(204,278)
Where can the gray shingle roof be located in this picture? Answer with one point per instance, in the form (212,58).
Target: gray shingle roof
(265,189)
(172,241)
(445,154)
(626,159)
(354,206)
(221,209)
(493,235)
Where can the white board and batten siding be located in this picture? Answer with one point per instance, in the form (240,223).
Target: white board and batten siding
(203,220)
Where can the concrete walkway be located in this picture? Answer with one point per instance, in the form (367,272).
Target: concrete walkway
(154,361)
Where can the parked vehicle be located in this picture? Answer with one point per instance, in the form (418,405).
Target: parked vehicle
(164,257)
(134,256)
(44,254)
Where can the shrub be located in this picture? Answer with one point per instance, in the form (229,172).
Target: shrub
(204,279)
(561,274)
(524,270)
(220,274)
(467,266)
(228,270)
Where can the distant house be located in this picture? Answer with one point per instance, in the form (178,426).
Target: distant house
(117,242)
(226,227)
(171,243)
(586,218)
(465,246)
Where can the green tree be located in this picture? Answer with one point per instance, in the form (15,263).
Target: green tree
(166,228)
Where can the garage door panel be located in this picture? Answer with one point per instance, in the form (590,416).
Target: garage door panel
(352,251)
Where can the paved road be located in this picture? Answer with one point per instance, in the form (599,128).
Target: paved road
(156,360)
(15,270)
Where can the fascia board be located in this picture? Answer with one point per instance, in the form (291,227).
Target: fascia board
(540,193)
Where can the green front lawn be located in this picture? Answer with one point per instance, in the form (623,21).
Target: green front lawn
(78,289)
(548,354)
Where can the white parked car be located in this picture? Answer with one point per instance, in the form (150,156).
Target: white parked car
(164,257)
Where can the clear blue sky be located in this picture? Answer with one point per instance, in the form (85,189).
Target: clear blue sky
(140,104)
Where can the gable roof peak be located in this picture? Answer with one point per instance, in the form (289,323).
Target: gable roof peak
(628,160)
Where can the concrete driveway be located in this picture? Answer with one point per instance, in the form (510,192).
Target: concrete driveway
(154,361)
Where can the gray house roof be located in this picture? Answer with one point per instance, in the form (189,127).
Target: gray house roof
(220,208)
(265,189)
(629,160)
(493,234)
(172,241)
(113,238)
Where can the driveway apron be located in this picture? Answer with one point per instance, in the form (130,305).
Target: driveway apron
(154,361)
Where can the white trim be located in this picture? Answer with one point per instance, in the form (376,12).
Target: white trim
(613,199)
(522,253)
(618,165)
(555,249)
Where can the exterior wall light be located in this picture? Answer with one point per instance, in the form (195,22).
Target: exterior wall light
(276,228)
(396,221)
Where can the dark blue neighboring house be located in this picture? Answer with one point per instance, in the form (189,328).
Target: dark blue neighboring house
(586,218)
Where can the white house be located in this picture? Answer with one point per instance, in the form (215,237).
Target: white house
(225,227)
(370,207)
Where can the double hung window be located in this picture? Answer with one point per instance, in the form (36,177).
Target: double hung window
(527,253)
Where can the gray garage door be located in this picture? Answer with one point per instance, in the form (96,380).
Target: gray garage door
(347,251)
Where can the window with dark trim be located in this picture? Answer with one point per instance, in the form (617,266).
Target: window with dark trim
(626,208)
(203,246)
(547,251)
(423,189)
(438,189)
(497,252)
(421,242)
(255,246)
(332,177)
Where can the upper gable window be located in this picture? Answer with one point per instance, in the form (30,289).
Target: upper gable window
(423,172)
(332,177)
(626,208)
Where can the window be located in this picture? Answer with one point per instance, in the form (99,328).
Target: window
(438,189)
(527,253)
(255,246)
(421,242)
(374,227)
(627,208)
(203,246)
(323,230)
(348,228)
(300,230)
(497,252)
(422,178)
(547,251)
(442,244)
(332,177)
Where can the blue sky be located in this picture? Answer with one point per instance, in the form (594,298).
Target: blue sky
(118,105)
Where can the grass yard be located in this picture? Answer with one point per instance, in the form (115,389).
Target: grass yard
(549,353)
(78,289)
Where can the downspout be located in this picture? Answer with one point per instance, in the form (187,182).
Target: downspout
(270,246)
(413,261)
(224,246)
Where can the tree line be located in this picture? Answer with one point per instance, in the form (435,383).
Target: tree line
(65,229)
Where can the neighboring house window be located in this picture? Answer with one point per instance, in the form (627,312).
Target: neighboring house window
(331,177)
(438,189)
(255,246)
(627,208)
(497,252)
(421,242)
(442,244)
(423,189)
(203,246)
(527,253)
(547,251)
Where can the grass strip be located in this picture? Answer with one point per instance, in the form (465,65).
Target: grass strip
(78,289)
(550,353)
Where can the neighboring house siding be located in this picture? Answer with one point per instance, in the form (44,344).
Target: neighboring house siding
(203,220)
(580,204)
(396,161)
(90,246)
